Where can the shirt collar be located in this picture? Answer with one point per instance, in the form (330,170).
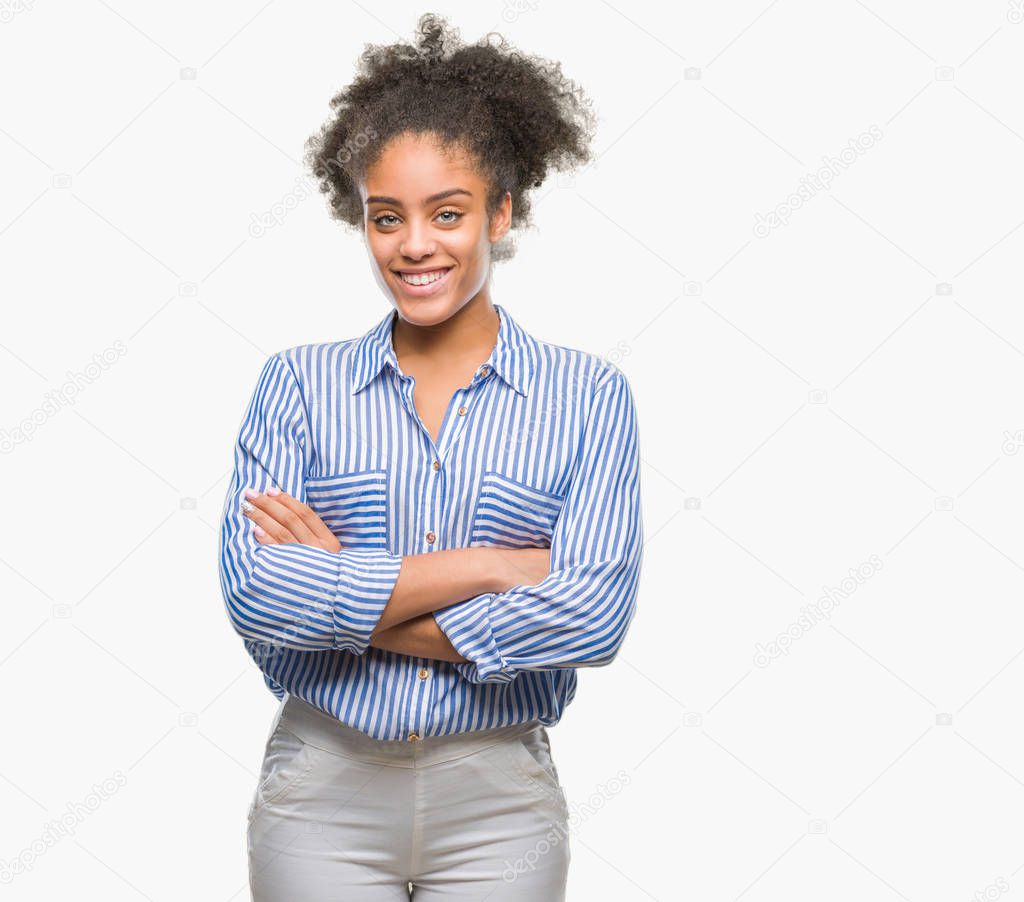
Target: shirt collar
(513,358)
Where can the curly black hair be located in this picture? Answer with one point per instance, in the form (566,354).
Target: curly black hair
(517,115)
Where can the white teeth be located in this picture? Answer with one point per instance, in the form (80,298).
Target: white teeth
(423,278)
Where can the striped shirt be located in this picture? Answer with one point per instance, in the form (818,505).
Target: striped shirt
(540,449)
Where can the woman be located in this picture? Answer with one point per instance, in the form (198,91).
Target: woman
(432,526)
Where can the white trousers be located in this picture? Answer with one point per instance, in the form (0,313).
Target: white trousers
(339,816)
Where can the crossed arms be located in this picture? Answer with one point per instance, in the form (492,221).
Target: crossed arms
(468,606)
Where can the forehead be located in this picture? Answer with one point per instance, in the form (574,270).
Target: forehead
(412,167)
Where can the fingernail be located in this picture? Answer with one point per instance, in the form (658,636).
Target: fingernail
(273,490)
(259,531)
(251,493)
(246,506)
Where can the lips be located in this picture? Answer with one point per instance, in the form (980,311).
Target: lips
(428,288)
(423,272)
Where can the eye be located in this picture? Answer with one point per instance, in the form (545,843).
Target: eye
(455,214)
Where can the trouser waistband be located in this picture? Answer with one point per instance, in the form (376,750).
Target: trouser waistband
(318,728)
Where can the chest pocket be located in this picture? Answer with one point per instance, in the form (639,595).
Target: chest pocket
(512,514)
(352,505)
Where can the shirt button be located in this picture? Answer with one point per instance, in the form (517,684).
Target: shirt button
(424,673)
(413,736)
(437,465)
(462,411)
(431,537)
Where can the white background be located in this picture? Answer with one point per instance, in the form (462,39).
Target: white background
(839,393)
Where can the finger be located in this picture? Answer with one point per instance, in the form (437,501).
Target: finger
(319,530)
(274,531)
(281,515)
(262,537)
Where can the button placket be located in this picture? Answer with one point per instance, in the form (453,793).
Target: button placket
(431,536)
(424,691)
(423,674)
(447,437)
(462,412)
(420,703)
(416,708)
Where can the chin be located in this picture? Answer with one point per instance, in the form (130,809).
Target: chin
(426,311)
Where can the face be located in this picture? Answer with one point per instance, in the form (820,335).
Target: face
(425,214)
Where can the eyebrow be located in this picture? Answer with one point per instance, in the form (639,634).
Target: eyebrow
(395,202)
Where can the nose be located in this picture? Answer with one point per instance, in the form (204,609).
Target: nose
(417,243)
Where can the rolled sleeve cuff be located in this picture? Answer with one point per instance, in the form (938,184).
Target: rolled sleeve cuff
(468,627)
(366,580)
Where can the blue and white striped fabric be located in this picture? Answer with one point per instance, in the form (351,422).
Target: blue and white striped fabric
(539,449)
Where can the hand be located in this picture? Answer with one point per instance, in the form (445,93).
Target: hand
(286,519)
(523,566)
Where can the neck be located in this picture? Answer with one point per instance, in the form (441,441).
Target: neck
(469,334)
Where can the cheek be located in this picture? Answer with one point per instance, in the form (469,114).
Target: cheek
(473,248)
(380,248)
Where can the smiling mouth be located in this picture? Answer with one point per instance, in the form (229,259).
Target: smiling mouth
(420,279)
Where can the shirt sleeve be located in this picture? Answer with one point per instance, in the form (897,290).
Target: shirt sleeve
(292,595)
(579,614)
